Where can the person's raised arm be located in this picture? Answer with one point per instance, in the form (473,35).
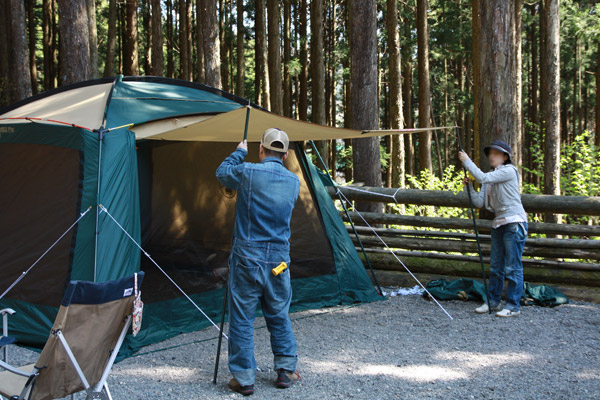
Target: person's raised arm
(229,172)
(495,176)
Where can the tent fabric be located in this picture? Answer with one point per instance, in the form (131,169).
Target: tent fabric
(470,289)
(164,194)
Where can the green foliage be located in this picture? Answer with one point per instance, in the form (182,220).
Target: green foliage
(427,180)
(580,167)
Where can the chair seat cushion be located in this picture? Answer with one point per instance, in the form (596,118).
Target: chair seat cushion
(6,340)
(12,384)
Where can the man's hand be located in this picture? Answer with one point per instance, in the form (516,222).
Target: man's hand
(466,181)
(462,156)
(243,145)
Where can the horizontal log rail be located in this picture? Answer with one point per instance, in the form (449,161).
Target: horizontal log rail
(467,224)
(576,266)
(470,237)
(428,244)
(538,203)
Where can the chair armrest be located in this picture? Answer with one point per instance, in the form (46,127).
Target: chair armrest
(17,371)
(8,311)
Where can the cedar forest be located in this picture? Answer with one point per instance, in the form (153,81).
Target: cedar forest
(527,72)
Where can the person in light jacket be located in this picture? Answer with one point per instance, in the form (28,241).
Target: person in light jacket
(500,194)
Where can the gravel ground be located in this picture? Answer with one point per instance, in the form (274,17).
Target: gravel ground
(403,348)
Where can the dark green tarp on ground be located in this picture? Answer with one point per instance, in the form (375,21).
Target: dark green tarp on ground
(473,290)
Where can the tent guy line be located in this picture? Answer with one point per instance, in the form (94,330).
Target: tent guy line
(44,254)
(103,209)
(394,254)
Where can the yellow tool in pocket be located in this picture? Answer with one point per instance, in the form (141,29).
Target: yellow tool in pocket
(280,268)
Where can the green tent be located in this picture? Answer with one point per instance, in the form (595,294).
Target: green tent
(147,148)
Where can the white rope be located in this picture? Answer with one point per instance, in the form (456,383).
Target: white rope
(46,252)
(103,209)
(395,256)
(390,196)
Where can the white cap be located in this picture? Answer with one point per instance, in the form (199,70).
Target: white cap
(275,139)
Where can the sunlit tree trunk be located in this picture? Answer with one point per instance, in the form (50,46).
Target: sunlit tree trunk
(317,71)
(130,55)
(424,90)
(395,93)
(287,57)
(210,33)
(303,101)
(274,57)
(32,41)
(91,10)
(74,41)
(550,62)
(498,98)
(157,40)
(262,70)
(363,96)
(241,67)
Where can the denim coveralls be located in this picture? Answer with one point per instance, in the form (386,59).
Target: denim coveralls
(266,194)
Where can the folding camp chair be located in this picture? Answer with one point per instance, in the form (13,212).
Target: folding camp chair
(85,339)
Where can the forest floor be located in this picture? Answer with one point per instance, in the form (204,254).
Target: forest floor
(402,348)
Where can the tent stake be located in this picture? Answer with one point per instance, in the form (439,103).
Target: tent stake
(487,293)
(349,220)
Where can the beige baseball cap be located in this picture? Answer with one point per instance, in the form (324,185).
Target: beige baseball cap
(275,139)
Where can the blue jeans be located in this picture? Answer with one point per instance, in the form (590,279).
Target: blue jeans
(505,262)
(251,283)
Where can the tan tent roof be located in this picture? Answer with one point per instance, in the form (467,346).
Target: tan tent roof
(229,127)
(80,106)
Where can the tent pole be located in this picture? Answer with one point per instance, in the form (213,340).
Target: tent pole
(101,133)
(487,293)
(350,220)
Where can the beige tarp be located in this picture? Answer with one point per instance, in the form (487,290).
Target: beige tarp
(80,106)
(229,127)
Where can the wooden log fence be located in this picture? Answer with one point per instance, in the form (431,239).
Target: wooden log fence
(538,203)
(450,248)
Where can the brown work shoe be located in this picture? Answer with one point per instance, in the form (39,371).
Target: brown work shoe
(243,390)
(285,379)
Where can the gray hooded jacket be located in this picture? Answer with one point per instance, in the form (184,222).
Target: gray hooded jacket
(500,190)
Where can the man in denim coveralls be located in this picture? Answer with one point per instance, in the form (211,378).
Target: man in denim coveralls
(266,194)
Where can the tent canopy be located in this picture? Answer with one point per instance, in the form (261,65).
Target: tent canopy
(167,109)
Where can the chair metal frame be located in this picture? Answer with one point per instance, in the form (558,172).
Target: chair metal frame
(98,391)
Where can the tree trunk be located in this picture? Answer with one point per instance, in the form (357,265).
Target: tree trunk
(111,40)
(274,42)
(183,44)
(476,28)
(363,97)
(189,41)
(31,36)
(147,28)
(157,39)
(262,70)
(200,44)
(169,31)
(550,63)
(287,56)
(241,67)
(424,90)
(91,10)
(47,44)
(210,33)
(74,41)
(223,46)
(408,111)
(395,85)
(303,101)
(498,98)
(597,141)
(317,71)
(5,55)
(130,58)
(20,72)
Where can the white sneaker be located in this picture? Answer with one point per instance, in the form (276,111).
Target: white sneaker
(506,313)
(482,309)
